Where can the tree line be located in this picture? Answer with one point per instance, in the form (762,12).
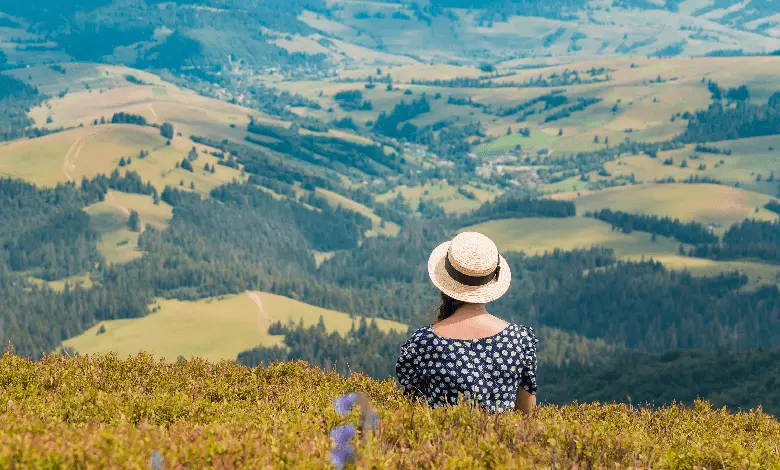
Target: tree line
(686,232)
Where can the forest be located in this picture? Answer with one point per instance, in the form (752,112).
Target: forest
(741,380)
(16,98)
(686,232)
(720,122)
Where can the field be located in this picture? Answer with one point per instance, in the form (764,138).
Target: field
(85,152)
(539,235)
(750,164)
(97,412)
(83,280)
(705,203)
(213,328)
(110,217)
(443,194)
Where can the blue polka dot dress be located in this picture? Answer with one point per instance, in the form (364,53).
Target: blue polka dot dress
(487,371)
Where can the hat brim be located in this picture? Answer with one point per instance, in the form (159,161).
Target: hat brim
(471,294)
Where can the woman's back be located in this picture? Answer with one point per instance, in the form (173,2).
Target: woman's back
(469,352)
(441,361)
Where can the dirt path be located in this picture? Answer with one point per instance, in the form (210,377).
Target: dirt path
(118,206)
(74,151)
(263,319)
(154,113)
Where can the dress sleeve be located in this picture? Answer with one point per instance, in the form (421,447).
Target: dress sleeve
(408,369)
(528,375)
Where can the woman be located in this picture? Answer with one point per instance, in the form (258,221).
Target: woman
(469,352)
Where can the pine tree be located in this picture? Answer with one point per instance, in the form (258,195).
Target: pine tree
(134,222)
(122,161)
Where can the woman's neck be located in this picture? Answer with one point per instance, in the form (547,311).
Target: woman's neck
(471,310)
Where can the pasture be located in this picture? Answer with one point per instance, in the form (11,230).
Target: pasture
(88,151)
(215,328)
(119,244)
(538,235)
(443,194)
(705,203)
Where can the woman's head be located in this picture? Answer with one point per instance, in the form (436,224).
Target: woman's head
(469,269)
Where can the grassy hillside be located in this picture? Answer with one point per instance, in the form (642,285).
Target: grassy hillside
(537,235)
(213,328)
(118,243)
(704,203)
(88,412)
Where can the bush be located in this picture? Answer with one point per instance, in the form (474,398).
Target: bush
(100,411)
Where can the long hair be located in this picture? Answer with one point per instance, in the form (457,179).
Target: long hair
(448,306)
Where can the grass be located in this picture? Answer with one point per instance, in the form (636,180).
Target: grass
(539,235)
(214,328)
(83,280)
(92,150)
(119,244)
(749,158)
(96,412)
(704,203)
(443,194)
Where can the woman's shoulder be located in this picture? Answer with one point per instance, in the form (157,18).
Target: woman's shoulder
(523,333)
(421,335)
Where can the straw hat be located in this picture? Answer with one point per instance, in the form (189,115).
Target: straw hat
(469,268)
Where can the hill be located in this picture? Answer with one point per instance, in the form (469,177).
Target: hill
(212,328)
(126,412)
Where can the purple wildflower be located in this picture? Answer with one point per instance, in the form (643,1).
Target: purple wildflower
(373,421)
(341,455)
(344,403)
(342,434)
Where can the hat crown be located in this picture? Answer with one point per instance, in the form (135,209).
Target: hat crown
(473,254)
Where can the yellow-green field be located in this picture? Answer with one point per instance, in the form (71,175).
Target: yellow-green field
(539,235)
(214,328)
(443,194)
(704,203)
(83,280)
(749,159)
(119,244)
(91,150)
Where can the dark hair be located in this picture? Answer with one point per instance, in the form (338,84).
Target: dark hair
(449,306)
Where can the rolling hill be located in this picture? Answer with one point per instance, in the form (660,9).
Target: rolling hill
(211,328)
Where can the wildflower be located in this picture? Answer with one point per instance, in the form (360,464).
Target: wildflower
(373,421)
(157,460)
(341,455)
(342,434)
(345,403)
